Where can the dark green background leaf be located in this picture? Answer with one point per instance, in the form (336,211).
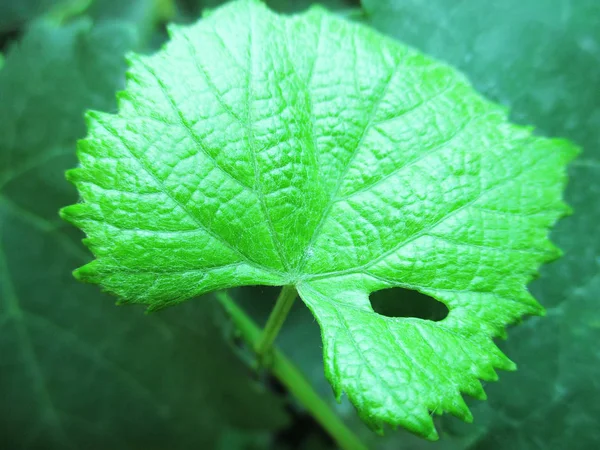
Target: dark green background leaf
(78,372)
(540,58)
(14,13)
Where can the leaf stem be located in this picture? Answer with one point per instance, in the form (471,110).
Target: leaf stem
(291,377)
(284,304)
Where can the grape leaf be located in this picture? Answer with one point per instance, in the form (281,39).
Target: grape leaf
(306,150)
(75,371)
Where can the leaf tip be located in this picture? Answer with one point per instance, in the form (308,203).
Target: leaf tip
(73,175)
(569,148)
(468,417)
(337,392)
(76,214)
(92,118)
(483,396)
(131,58)
(173,30)
(70,213)
(432,434)
(540,311)
(87,273)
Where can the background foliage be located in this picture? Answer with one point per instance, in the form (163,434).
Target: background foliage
(78,372)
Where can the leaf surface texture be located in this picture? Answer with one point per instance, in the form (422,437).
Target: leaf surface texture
(261,149)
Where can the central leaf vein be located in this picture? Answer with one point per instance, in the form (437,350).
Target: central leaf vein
(373,113)
(257,174)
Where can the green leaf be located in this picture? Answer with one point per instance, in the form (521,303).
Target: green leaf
(260,149)
(144,14)
(195,8)
(13,14)
(76,371)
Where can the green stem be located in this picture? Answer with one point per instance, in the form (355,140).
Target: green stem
(284,303)
(289,375)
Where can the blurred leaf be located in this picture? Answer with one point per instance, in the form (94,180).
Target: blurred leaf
(144,14)
(76,371)
(541,59)
(294,6)
(13,13)
(192,9)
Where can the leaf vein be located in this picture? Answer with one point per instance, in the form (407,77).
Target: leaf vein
(166,191)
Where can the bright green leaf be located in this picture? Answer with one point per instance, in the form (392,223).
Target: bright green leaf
(259,149)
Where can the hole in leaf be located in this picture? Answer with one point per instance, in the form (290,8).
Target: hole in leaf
(398,302)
